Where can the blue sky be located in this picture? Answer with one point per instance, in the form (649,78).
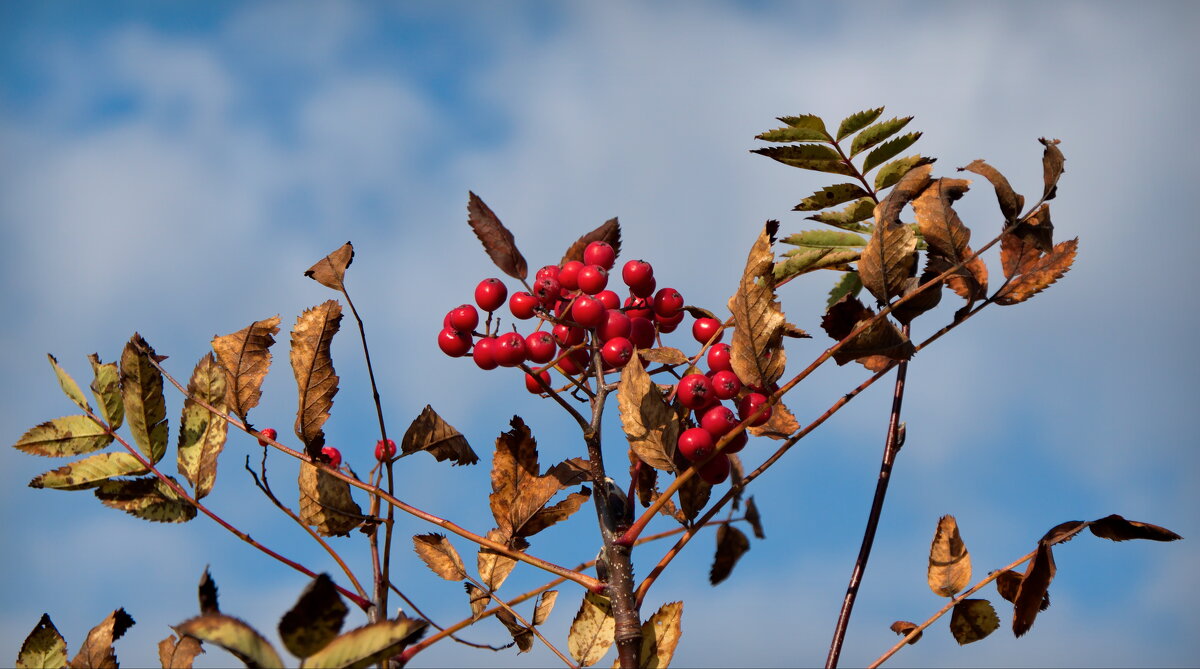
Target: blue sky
(172,169)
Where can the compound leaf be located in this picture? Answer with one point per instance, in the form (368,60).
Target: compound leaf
(246,357)
(314,620)
(497,240)
(142,392)
(312,365)
(330,271)
(430,433)
(201,432)
(61,437)
(519,493)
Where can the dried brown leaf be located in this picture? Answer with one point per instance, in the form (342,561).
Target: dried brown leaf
(97,650)
(1011,202)
(972,620)
(545,604)
(497,240)
(142,393)
(201,432)
(246,357)
(940,225)
(732,544)
(889,259)
(880,339)
(645,479)
(781,425)
(1063,531)
(664,355)
(233,635)
(325,502)
(519,493)
(148,498)
(330,271)
(921,302)
(547,516)
(478,599)
(314,620)
(1048,269)
(1017,255)
(887,212)
(592,630)
(572,471)
(1116,528)
(969,281)
(1052,167)
(430,433)
(1032,592)
(313,367)
(206,592)
(178,653)
(609,231)
(693,497)
(521,634)
(904,628)
(757,351)
(660,636)
(649,424)
(1008,583)
(436,551)
(494,567)
(949,561)
(754,518)
(1037,229)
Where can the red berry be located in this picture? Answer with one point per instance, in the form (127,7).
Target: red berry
(532,385)
(638,307)
(718,358)
(610,299)
(704,328)
(574,363)
(715,471)
(616,324)
(599,253)
(385,450)
(333,455)
(667,302)
(751,403)
(269,433)
(641,332)
(454,343)
(547,290)
(464,318)
(695,391)
(484,353)
(668,325)
(490,294)
(737,443)
(568,276)
(592,279)
(617,351)
(726,384)
(695,444)
(718,420)
(540,347)
(636,273)
(550,271)
(567,335)
(509,350)
(588,312)
(522,304)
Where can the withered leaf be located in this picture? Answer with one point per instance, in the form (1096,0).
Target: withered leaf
(1008,583)
(756,352)
(857,121)
(547,516)
(312,365)
(97,650)
(106,388)
(693,497)
(754,518)
(497,240)
(592,630)
(478,599)
(1011,202)
(61,437)
(44,647)
(887,212)
(940,225)
(571,471)
(918,303)
(330,271)
(201,432)
(206,592)
(664,355)
(660,636)
(69,387)
(1017,255)
(1063,531)
(234,635)
(781,425)
(830,196)
(609,231)
(1032,591)
(178,652)
(1116,528)
(89,472)
(436,551)
(493,567)
(949,561)
(325,502)
(142,392)
(1052,166)
(645,479)
(888,260)
(519,493)
(904,628)
(314,620)
(368,645)
(430,433)
(1037,229)
(880,339)
(521,634)
(1048,269)
(246,357)
(736,475)
(545,604)
(972,620)
(147,498)
(731,545)
(969,281)
(649,424)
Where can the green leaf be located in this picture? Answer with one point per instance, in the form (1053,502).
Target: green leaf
(233,635)
(830,196)
(106,387)
(201,432)
(857,121)
(891,173)
(43,648)
(66,436)
(849,217)
(810,260)
(816,157)
(888,150)
(823,239)
(876,134)
(367,645)
(146,498)
(807,128)
(145,407)
(849,284)
(68,385)
(86,473)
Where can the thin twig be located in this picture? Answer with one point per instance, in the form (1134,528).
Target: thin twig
(419,612)
(513,612)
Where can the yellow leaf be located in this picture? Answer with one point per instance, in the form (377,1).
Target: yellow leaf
(949,561)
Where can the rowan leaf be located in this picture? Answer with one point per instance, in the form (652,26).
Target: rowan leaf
(781,425)
(436,551)
(1032,591)
(1063,532)
(693,497)
(881,338)
(325,502)
(609,231)
(918,303)
(904,628)
(106,388)
(330,271)
(519,493)
(1008,583)
(201,432)
(756,352)
(1017,255)
(754,518)
(972,620)
(857,121)
(69,387)
(875,134)
(732,544)
(314,620)
(430,433)
(914,181)
(663,355)
(888,150)
(478,599)
(816,157)
(246,357)
(368,645)
(949,561)
(206,593)
(1116,528)
(822,239)
(547,516)
(969,281)
(806,128)
(496,239)
(1040,275)
(88,472)
(1011,202)
(592,630)
(97,650)
(801,261)
(849,217)
(660,636)
(650,425)
(235,636)
(522,636)
(1037,229)
(62,437)
(888,260)
(545,604)
(940,225)
(891,174)
(849,284)
(1052,167)
(830,196)
(142,392)
(178,652)
(312,365)
(147,498)
(44,647)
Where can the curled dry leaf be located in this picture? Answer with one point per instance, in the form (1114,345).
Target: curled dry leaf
(1037,229)
(882,338)
(1116,528)
(904,628)
(1011,202)
(969,281)
(206,592)
(887,212)
(693,497)
(44,647)
(660,636)
(609,231)
(314,620)
(732,544)
(1008,583)
(496,239)
(1052,166)
(754,518)
(756,352)
(246,357)
(201,432)
(888,260)
(178,652)
(1063,532)
(325,502)
(97,650)
(1018,255)
(781,425)
(592,630)
(142,392)
(330,271)
(1033,589)
(650,425)
(478,598)
(312,365)
(545,604)
(940,225)
(1048,269)
(436,551)
(519,493)
(521,635)
(430,433)
(972,620)
(922,301)
(949,561)
(664,356)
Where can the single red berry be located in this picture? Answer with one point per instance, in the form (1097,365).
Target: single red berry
(737,443)
(333,455)
(484,353)
(638,307)
(568,335)
(695,391)
(704,328)
(464,318)
(588,311)
(509,349)
(667,302)
(490,294)
(726,385)
(599,253)
(636,272)
(718,420)
(617,351)
(644,289)
(385,450)
(522,304)
(568,276)
(695,443)
(609,299)
(561,307)
(718,358)
(540,347)
(668,325)
(616,324)
(532,385)
(750,404)
(454,343)
(641,332)
(550,271)
(574,363)
(547,290)
(715,471)
(269,433)
(592,279)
